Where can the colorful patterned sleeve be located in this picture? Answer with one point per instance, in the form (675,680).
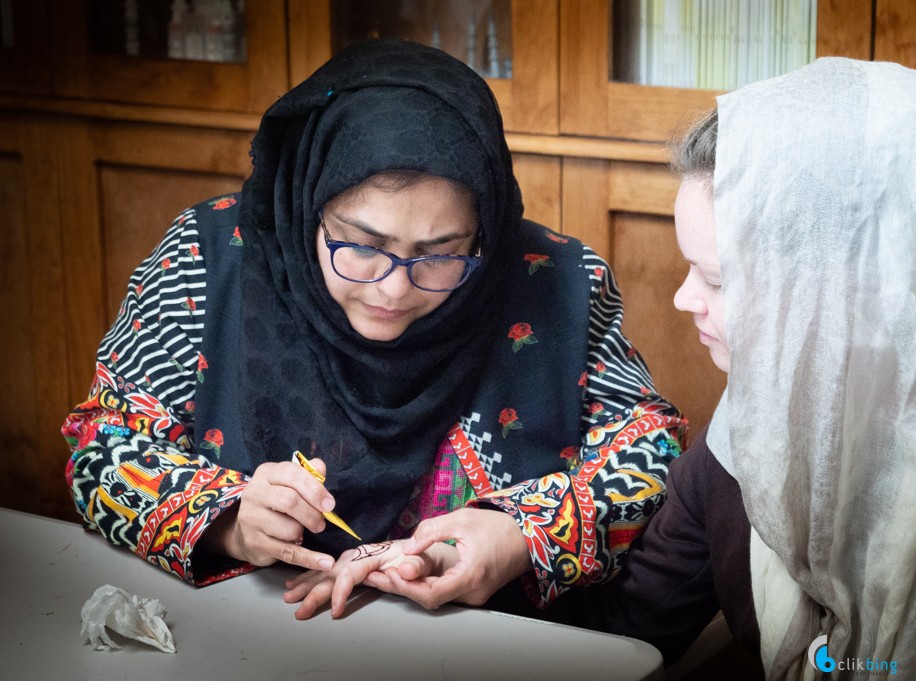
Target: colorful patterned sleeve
(579,523)
(133,473)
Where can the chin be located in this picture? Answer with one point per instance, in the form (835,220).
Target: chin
(721,361)
(379,332)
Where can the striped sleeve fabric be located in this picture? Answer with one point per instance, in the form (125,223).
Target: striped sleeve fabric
(133,473)
(579,523)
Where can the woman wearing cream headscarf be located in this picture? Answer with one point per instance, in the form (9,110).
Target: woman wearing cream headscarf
(796,512)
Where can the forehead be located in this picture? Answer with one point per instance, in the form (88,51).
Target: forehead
(426,206)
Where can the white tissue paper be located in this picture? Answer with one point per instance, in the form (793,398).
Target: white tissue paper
(128,615)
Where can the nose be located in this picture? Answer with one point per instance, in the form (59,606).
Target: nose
(688,297)
(397,284)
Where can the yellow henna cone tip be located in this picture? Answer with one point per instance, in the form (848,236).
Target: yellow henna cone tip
(330,516)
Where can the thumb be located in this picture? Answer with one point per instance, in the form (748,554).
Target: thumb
(429,532)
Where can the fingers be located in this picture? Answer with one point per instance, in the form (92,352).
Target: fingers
(290,489)
(430,592)
(433,530)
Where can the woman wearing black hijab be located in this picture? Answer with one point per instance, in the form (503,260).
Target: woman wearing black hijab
(374,299)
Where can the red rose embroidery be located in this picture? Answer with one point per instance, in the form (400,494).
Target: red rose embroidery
(595,408)
(536,261)
(569,453)
(521,335)
(236,239)
(114,358)
(601,368)
(599,272)
(189,406)
(508,419)
(644,390)
(194,251)
(138,289)
(583,379)
(166,263)
(137,325)
(223,203)
(213,439)
(201,365)
(631,352)
(189,304)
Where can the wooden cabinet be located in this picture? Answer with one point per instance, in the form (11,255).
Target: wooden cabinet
(25,64)
(526,92)
(83,70)
(99,151)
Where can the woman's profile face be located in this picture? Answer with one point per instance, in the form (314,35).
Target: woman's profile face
(701,292)
(430,216)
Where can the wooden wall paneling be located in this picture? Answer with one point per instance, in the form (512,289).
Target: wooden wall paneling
(584,207)
(79,233)
(539,179)
(529,99)
(309,37)
(844,28)
(251,86)
(148,174)
(647,188)
(20,406)
(647,113)
(895,32)
(25,67)
(584,42)
(138,206)
(41,461)
(649,269)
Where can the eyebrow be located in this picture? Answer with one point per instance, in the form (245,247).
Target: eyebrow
(370,231)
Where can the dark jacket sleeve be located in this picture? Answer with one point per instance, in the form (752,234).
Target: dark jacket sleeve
(666,593)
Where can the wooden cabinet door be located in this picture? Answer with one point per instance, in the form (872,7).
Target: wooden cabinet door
(527,99)
(25,66)
(593,105)
(251,86)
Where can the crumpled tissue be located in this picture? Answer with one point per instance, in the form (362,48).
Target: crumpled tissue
(128,615)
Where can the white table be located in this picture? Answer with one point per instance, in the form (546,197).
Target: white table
(242,629)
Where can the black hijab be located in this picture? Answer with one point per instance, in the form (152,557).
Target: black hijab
(374,411)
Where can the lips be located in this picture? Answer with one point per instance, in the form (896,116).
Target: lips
(385,313)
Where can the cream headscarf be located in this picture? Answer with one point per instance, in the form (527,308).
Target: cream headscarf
(815,202)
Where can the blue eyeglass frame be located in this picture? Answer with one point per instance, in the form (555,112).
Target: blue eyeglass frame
(471,262)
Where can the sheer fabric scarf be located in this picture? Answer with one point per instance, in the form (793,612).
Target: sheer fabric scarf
(375,411)
(816,223)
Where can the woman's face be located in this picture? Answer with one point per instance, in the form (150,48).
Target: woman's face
(701,292)
(428,217)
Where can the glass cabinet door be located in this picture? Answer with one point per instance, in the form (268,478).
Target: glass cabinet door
(206,54)
(24,56)
(511,43)
(661,62)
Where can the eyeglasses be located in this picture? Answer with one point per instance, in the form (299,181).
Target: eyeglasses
(365,264)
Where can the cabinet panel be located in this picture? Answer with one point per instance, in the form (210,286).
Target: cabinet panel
(82,72)
(527,99)
(649,269)
(24,55)
(137,207)
(593,105)
(895,32)
(19,401)
(35,363)
(539,179)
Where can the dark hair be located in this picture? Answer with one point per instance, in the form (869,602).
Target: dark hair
(693,155)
